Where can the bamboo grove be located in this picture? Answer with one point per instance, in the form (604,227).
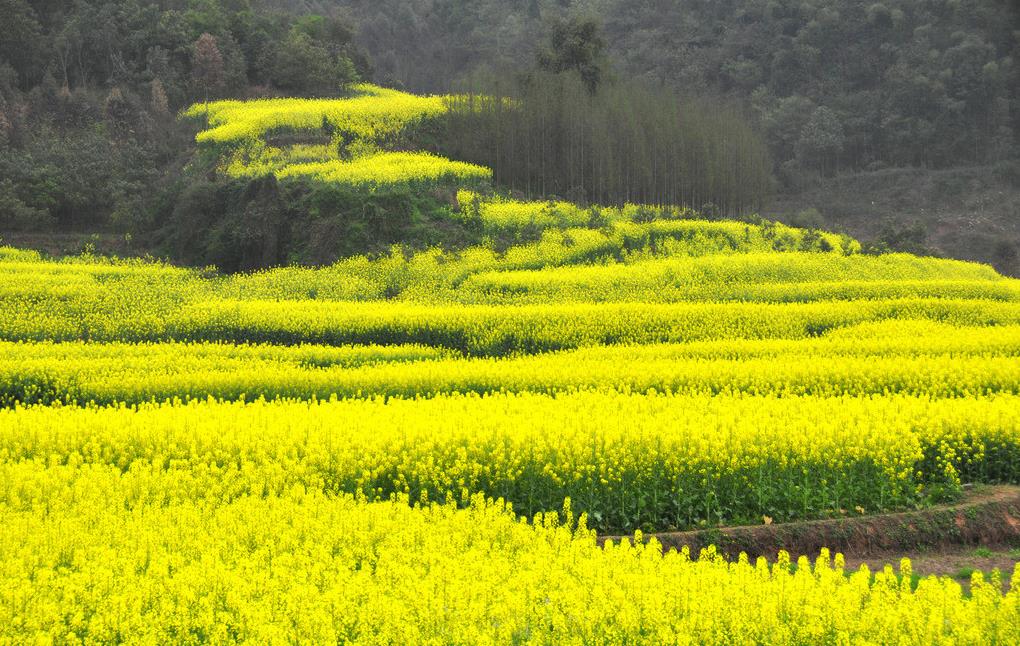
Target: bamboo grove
(626,143)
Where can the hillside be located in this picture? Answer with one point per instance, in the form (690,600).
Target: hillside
(423,446)
(967,213)
(813,96)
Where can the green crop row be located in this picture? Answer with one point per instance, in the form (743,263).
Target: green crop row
(628,461)
(896,356)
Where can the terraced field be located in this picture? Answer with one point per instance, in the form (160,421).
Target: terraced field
(420,448)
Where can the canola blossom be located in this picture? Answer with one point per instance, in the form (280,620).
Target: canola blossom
(388,168)
(766,277)
(453,301)
(434,273)
(350,131)
(370,113)
(310,568)
(916,358)
(654,223)
(627,460)
(508,215)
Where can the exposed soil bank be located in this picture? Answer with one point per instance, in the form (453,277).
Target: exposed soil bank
(986,516)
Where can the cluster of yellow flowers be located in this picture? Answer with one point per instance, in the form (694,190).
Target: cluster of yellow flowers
(767,277)
(499,215)
(509,215)
(389,168)
(503,329)
(352,129)
(450,302)
(921,359)
(372,113)
(627,460)
(434,273)
(89,565)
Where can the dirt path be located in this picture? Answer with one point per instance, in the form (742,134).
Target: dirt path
(955,562)
(980,532)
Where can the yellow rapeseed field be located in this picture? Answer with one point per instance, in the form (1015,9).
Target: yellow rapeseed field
(420,446)
(353,128)
(371,112)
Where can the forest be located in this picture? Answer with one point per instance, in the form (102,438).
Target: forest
(728,107)
(835,85)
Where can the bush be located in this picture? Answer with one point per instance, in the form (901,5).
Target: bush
(15,215)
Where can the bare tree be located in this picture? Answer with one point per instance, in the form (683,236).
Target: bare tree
(207,69)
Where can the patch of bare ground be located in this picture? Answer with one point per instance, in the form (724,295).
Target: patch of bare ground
(979,532)
(958,562)
(56,245)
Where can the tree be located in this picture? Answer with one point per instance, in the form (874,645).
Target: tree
(576,45)
(627,143)
(158,102)
(5,125)
(160,66)
(302,65)
(783,120)
(116,108)
(821,141)
(207,70)
(15,214)
(235,67)
(20,38)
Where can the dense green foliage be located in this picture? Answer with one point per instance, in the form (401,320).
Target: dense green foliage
(244,224)
(192,48)
(836,84)
(89,92)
